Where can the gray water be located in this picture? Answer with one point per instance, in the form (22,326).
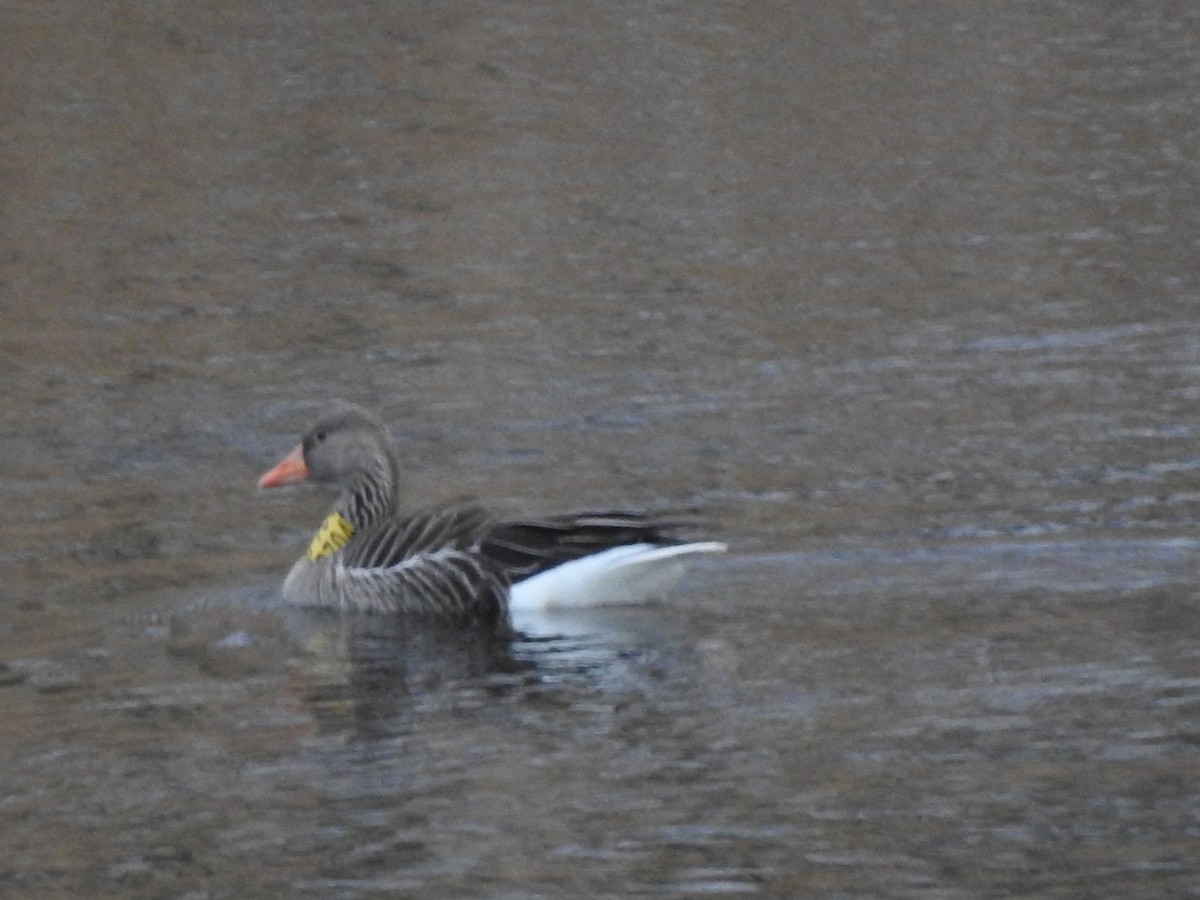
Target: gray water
(899,302)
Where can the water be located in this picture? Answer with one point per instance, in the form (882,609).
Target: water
(899,302)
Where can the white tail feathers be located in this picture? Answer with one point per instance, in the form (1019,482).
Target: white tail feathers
(632,573)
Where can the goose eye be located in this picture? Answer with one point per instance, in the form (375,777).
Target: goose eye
(319,437)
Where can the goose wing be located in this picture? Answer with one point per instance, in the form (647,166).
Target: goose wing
(407,540)
(528,547)
(426,564)
(460,562)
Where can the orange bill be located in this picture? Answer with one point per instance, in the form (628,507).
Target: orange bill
(289,470)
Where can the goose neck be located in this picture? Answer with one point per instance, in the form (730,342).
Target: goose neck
(369,498)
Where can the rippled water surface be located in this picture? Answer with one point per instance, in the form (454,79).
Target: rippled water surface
(902,303)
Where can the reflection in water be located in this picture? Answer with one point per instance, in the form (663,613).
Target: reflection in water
(365,674)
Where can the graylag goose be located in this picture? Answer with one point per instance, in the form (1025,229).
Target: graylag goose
(457,562)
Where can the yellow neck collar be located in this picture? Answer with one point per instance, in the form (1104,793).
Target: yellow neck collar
(332,536)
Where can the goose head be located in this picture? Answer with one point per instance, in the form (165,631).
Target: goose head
(344,446)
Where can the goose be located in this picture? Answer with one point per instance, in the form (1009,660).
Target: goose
(457,561)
